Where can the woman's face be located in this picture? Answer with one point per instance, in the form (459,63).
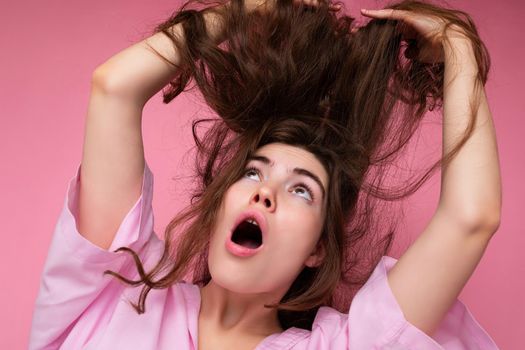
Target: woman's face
(284,187)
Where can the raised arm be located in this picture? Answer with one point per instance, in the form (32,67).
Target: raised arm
(429,276)
(113,152)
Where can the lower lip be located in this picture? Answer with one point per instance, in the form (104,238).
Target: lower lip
(239,250)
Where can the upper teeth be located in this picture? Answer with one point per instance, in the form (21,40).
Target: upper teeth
(253,222)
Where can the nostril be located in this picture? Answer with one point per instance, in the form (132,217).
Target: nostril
(267,202)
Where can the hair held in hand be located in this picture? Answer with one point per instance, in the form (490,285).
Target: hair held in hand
(300,75)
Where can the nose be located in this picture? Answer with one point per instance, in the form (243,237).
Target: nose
(264,196)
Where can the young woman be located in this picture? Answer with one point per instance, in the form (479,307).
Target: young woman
(282,235)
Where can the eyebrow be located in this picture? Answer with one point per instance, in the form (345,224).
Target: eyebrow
(299,171)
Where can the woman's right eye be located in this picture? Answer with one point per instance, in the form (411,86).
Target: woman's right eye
(251,172)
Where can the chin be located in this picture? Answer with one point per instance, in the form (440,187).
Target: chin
(223,277)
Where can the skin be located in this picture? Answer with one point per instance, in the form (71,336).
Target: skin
(113,150)
(233,300)
(429,276)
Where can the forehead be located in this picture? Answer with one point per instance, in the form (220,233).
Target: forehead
(293,157)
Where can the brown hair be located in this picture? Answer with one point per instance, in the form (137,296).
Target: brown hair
(300,76)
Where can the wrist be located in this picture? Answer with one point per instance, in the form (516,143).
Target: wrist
(459,50)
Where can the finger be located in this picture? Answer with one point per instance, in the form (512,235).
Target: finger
(356,27)
(386,14)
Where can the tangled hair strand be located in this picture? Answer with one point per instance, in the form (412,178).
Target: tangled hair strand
(301,76)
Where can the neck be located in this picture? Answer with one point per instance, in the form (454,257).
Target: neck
(238,312)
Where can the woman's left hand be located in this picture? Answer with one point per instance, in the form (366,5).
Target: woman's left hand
(426,30)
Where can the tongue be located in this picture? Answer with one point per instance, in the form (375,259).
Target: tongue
(248,243)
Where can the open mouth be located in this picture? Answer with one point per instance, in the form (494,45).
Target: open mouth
(248,234)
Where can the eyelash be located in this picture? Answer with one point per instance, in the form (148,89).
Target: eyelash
(301,184)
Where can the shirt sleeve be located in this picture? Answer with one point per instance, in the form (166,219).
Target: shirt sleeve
(72,276)
(375,321)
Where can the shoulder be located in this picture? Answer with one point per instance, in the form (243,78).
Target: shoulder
(330,326)
(374,284)
(372,298)
(327,314)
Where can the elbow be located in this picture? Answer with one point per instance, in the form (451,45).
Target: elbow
(476,220)
(105,81)
(482,221)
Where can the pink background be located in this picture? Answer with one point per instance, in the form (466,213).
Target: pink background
(48,52)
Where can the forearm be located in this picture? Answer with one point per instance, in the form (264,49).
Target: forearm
(470,184)
(137,72)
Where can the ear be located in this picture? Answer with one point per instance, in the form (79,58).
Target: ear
(317,256)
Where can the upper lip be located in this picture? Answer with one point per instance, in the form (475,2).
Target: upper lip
(255,215)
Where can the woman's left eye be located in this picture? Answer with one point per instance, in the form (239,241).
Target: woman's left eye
(305,191)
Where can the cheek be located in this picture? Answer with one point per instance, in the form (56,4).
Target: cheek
(305,219)
(302,230)
(306,233)
(236,195)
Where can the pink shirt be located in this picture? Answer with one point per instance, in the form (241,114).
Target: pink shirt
(80,308)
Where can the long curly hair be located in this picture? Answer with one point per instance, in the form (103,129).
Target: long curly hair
(300,75)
